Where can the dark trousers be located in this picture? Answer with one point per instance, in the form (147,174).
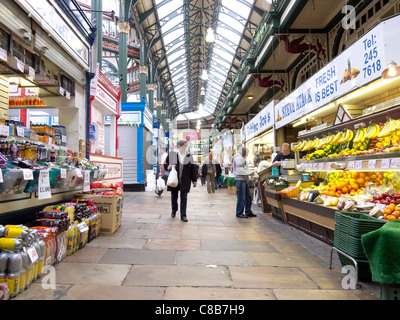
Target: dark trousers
(174,201)
(243,198)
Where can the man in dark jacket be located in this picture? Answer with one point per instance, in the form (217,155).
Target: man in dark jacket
(187,173)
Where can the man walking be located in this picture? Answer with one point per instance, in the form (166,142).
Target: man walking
(241,172)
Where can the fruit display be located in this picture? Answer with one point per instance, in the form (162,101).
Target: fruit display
(350,73)
(384,138)
(374,193)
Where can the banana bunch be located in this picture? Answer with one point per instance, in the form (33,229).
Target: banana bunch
(396,126)
(300,146)
(360,134)
(337,138)
(321,143)
(372,131)
(387,129)
(347,136)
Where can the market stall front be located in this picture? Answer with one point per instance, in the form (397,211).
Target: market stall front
(348,115)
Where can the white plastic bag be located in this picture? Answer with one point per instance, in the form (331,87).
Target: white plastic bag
(173,178)
(160,184)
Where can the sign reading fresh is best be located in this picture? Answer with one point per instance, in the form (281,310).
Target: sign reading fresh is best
(358,65)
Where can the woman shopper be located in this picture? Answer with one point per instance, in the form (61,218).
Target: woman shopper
(209,170)
(187,173)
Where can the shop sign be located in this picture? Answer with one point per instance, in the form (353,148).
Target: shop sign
(263,121)
(104,97)
(55,22)
(358,65)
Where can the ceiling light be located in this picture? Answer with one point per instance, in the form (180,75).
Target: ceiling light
(204,75)
(202,91)
(210,35)
(250,97)
(392,71)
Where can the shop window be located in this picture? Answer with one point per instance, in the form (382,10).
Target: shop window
(370,13)
(4,40)
(385,2)
(17,50)
(364,19)
(378,6)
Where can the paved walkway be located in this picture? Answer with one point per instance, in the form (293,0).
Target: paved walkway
(213,256)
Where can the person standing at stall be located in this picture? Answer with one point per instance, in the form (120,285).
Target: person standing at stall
(285,154)
(187,174)
(242,172)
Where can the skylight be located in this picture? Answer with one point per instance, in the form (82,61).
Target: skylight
(231,21)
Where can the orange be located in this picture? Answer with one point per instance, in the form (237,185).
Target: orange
(354,174)
(333,189)
(387,211)
(345,190)
(331,193)
(367,178)
(339,186)
(392,207)
(362,174)
(360,181)
(355,186)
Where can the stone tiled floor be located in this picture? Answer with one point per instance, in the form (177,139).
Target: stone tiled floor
(213,256)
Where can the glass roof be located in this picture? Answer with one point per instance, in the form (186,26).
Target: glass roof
(186,64)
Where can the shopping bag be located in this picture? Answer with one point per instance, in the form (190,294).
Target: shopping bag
(173,178)
(160,184)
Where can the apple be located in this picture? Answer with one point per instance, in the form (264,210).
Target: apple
(376,201)
(385,194)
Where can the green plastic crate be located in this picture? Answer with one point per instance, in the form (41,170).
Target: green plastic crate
(356,224)
(364,271)
(349,245)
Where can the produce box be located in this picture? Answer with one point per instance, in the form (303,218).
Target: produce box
(110,208)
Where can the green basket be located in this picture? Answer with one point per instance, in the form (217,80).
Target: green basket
(349,245)
(273,186)
(356,224)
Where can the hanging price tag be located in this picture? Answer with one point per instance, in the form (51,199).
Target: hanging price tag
(371,164)
(1,176)
(4,130)
(28,174)
(385,163)
(315,166)
(351,165)
(63,173)
(79,173)
(86,183)
(82,227)
(44,185)
(321,166)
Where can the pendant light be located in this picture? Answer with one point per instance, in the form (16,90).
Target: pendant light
(204,75)
(392,71)
(210,36)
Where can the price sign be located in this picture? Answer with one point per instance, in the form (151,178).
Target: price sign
(64,138)
(32,253)
(20,132)
(28,174)
(315,166)
(44,185)
(86,182)
(4,130)
(371,164)
(328,166)
(359,164)
(351,165)
(385,163)
(82,227)
(395,163)
(63,173)
(321,166)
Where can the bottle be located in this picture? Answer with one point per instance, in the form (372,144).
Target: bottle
(3,265)
(42,254)
(36,245)
(11,243)
(17,232)
(23,281)
(14,267)
(2,231)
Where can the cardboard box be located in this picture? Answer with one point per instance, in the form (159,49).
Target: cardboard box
(110,208)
